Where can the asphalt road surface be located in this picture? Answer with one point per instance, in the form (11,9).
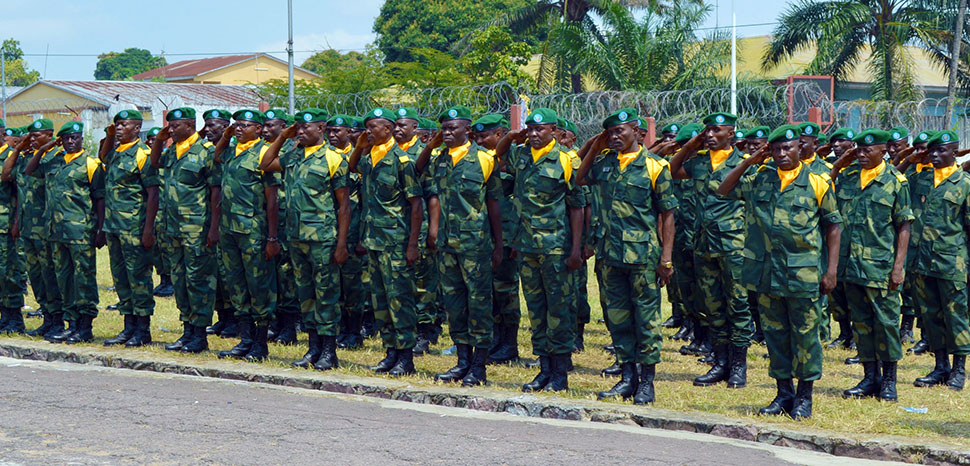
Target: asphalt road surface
(57,413)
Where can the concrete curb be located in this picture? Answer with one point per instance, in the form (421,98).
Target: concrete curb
(483,399)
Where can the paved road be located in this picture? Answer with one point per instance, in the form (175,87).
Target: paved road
(55,413)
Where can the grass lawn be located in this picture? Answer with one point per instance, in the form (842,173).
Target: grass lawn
(947,420)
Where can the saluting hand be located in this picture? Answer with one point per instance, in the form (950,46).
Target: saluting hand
(759,156)
(845,160)
(110,132)
(25,143)
(696,142)
(436,139)
(665,148)
(363,142)
(517,136)
(166,132)
(289,132)
(824,149)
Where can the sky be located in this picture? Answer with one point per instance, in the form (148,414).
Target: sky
(63,38)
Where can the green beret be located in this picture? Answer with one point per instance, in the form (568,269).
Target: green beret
(569,126)
(823,138)
(720,119)
(898,133)
(153,131)
(642,124)
(758,132)
(740,134)
(217,114)
(620,117)
(182,113)
(785,133)
(128,115)
(688,131)
(277,114)
(871,136)
(341,120)
(924,136)
(254,116)
(458,112)
(670,128)
(809,129)
(542,116)
(505,124)
(408,112)
(943,138)
(311,114)
(488,122)
(379,112)
(71,127)
(42,125)
(843,133)
(2,123)
(13,132)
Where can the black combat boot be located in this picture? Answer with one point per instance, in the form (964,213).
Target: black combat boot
(738,377)
(958,374)
(85,331)
(613,370)
(44,327)
(57,327)
(182,340)
(508,349)
(675,320)
(404,364)
(939,373)
(852,360)
(287,329)
(142,334)
(354,339)
(233,327)
(542,378)
(579,344)
(199,341)
(559,377)
(4,318)
(260,347)
(887,389)
(423,344)
(15,322)
(165,287)
(784,400)
(627,385)
(685,330)
(871,382)
(60,337)
(220,324)
(476,372)
(802,408)
(700,336)
(390,359)
(719,371)
(368,326)
(920,347)
(645,394)
(125,334)
(246,335)
(457,373)
(313,350)
(906,329)
(328,353)
(845,334)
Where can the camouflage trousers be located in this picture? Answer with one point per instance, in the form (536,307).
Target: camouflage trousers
(791,334)
(353,288)
(545,284)
(680,291)
(601,286)
(194,270)
(160,257)
(838,304)
(505,292)
(725,299)
(466,295)
(908,308)
(221,299)
(580,294)
(250,278)
(633,313)
(39,256)
(77,272)
(11,272)
(393,293)
(875,322)
(426,281)
(131,270)
(317,286)
(944,311)
(287,300)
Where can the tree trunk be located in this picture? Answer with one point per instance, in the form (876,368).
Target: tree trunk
(951,85)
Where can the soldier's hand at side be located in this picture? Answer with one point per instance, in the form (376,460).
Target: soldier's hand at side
(100,240)
(828,282)
(340,255)
(497,255)
(360,250)
(664,274)
(411,254)
(15,231)
(513,254)
(574,261)
(432,241)
(212,238)
(148,240)
(588,251)
(896,278)
(272,249)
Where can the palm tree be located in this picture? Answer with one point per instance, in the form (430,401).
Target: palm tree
(843,30)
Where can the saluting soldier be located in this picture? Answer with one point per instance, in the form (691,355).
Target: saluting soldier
(841,142)
(792,209)
(11,265)
(566,135)
(678,316)
(898,142)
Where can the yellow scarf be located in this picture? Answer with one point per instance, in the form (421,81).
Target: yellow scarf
(787,176)
(307,151)
(458,153)
(68,158)
(921,166)
(718,157)
(124,147)
(182,147)
(244,146)
(940,174)
(627,158)
(866,175)
(378,152)
(538,153)
(409,144)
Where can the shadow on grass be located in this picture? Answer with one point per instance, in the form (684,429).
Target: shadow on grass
(959,429)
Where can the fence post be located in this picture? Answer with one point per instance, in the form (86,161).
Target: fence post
(651,131)
(815,115)
(263,106)
(515,117)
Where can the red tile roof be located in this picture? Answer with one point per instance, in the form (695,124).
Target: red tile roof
(191,68)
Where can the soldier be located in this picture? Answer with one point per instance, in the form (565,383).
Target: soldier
(809,141)
(792,209)
(718,248)
(940,261)
(75,191)
(898,142)
(425,128)
(637,214)
(191,197)
(11,266)
(161,253)
(392,217)
(545,192)
(841,142)
(130,208)
(566,135)
(872,258)
(318,217)
(249,238)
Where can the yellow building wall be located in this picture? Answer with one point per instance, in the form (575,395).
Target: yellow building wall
(255,71)
(43,101)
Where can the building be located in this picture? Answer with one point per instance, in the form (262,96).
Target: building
(230,69)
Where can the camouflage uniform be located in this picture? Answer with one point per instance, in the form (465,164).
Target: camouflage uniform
(505,277)
(633,199)
(128,175)
(251,278)
(221,299)
(186,194)
(354,289)
(35,232)
(426,268)
(388,187)
(579,299)
(821,167)
(683,291)
(908,307)
(866,257)
(11,265)
(162,252)
(544,191)
(287,301)
(311,221)
(463,187)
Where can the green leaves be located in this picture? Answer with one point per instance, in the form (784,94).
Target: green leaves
(120,66)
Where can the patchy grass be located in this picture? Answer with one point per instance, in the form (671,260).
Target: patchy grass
(947,419)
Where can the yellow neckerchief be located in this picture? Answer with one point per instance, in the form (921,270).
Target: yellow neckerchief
(787,176)
(68,158)
(409,144)
(811,159)
(378,152)
(458,153)
(921,166)
(626,158)
(349,148)
(307,151)
(182,147)
(866,175)
(940,174)
(244,146)
(718,157)
(538,153)
(124,147)
(821,185)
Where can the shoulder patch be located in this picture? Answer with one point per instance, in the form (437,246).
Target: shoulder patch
(762,168)
(141,155)
(92,165)
(404,159)
(828,165)
(901,177)
(745,155)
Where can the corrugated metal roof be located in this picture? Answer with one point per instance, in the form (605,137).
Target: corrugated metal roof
(190,68)
(145,94)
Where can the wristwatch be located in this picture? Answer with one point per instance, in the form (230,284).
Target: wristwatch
(667,265)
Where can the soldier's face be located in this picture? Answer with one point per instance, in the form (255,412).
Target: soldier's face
(540,135)
(870,156)
(182,129)
(840,146)
(214,127)
(72,142)
(127,130)
(943,155)
(379,130)
(454,133)
(247,130)
(310,134)
(488,139)
(404,129)
(338,136)
(894,147)
(272,129)
(786,154)
(668,136)
(424,135)
(752,145)
(39,138)
(567,138)
(718,137)
(808,145)
(741,144)
(150,140)
(622,138)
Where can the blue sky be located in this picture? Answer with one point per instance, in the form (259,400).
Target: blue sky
(191,29)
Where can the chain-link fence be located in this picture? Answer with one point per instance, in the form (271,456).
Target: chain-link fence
(918,115)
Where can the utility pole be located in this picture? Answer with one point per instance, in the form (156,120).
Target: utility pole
(289,54)
(734,60)
(3,81)
(951,86)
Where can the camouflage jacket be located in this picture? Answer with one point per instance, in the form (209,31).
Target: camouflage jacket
(427,188)
(868,246)
(819,166)
(463,188)
(942,225)
(186,194)
(353,199)
(633,199)
(544,190)
(8,196)
(719,220)
(72,187)
(685,217)
(128,175)
(32,195)
(388,187)
(310,181)
(916,174)
(509,217)
(244,190)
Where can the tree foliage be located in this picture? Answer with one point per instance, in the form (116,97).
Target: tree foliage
(124,65)
(15,68)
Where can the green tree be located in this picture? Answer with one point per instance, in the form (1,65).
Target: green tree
(326,61)
(431,68)
(496,56)
(16,70)
(124,65)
